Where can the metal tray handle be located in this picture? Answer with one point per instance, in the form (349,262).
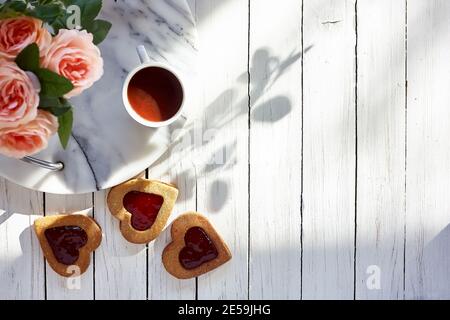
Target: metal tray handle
(52,166)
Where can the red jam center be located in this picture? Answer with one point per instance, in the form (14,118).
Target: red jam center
(65,243)
(144,208)
(199,249)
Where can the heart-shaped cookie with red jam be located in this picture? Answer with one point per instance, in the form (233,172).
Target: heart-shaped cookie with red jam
(67,241)
(196,247)
(143,208)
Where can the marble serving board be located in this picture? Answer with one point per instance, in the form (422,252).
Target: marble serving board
(107,146)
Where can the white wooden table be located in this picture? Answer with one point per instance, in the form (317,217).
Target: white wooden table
(320,151)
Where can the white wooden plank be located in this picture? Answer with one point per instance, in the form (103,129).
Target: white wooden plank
(21,260)
(275,149)
(59,287)
(329,164)
(176,167)
(381,149)
(427,273)
(329,149)
(161,285)
(120,266)
(222,133)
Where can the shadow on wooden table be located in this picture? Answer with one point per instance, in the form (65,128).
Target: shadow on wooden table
(265,70)
(22,268)
(427,271)
(5,216)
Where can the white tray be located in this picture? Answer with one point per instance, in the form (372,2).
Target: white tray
(107,146)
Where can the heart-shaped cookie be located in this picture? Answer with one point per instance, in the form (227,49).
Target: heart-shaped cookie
(196,247)
(143,208)
(67,241)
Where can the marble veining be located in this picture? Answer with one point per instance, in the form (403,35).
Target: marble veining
(107,146)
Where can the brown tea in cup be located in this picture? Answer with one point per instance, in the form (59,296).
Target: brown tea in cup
(155,94)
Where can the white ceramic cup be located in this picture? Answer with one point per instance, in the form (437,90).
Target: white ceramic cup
(147,63)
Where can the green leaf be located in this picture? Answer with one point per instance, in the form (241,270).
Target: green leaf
(18,6)
(56,106)
(28,58)
(65,127)
(52,84)
(48,12)
(56,111)
(57,24)
(100,29)
(89,9)
(9,13)
(56,14)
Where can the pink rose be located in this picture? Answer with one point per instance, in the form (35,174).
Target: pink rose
(29,138)
(73,55)
(17,33)
(19,95)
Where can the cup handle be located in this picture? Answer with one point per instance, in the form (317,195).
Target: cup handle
(142,53)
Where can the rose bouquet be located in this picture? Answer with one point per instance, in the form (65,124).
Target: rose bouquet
(48,54)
